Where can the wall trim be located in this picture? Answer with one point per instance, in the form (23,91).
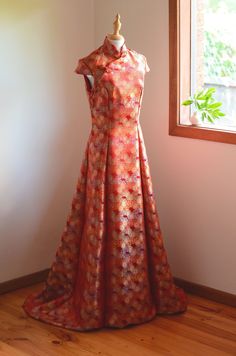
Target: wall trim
(24,281)
(189,287)
(207,292)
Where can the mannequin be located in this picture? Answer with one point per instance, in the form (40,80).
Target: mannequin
(115,38)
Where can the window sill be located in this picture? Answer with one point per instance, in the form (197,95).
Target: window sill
(202,133)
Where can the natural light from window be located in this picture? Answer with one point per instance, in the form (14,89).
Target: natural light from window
(213,56)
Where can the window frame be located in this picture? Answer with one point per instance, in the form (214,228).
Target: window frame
(175,128)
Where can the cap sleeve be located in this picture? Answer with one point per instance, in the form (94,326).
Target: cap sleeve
(82,67)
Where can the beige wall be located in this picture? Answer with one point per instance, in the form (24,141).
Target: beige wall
(45,124)
(194,180)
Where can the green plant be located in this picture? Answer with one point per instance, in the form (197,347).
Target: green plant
(205,104)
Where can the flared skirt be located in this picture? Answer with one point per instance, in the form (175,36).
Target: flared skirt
(110,268)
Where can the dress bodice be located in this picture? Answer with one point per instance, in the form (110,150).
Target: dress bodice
(116,95)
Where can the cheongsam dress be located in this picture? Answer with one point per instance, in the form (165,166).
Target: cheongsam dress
(110,268)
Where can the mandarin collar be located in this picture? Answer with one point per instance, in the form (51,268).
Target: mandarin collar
(110,49)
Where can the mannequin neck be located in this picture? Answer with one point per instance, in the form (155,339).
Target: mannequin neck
(117,43)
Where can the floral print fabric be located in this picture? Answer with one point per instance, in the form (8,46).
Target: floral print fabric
(111,267)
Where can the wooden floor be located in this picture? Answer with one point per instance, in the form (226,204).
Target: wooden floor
(206,329)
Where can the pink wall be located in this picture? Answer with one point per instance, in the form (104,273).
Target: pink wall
(44,125)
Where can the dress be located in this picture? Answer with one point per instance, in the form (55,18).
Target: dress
(110,268)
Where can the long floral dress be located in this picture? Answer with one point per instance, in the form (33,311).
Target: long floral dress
(110,268)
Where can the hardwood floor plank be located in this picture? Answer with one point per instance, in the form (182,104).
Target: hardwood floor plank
(192,332)
(6,350)
(175,341)
(218,321)
(207,328)
(27,332)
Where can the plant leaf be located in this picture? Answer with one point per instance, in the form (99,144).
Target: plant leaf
(203,116)
(199,94)
(187,102)
(209,118)
(210,91)
(215,105)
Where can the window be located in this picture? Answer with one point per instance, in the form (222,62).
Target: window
(202,46)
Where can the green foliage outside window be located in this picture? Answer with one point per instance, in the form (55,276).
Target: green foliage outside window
(219,48)
(214,5)
(219,58)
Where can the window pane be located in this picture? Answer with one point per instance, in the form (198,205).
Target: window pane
(213,55)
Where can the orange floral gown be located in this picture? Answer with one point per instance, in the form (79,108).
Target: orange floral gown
(110,268)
